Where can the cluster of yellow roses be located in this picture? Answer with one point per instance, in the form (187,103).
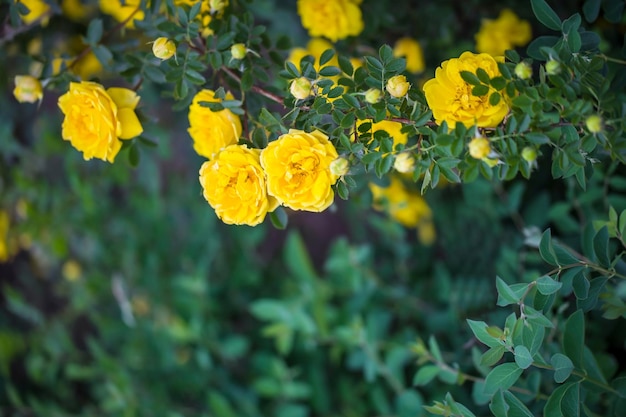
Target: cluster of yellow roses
(242,184)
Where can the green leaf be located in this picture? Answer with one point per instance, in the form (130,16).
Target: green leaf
(523,358)
(563,367)
(553,405)
(570,405)
(479,328)
(545,248)
(547,286)
(516,407)
(619,385)
(425,374)
(326,56)
(94,32)
(545,14)
(494,98)
(581,286)
(535,317)
(434,348)
(133,155)
(480,90)
(329,71)
(532,337)
(574,338)
(279,218)
(297,258)
(591,10)
(386,53)
(498,406)
(506,295)
(502,377)
(492,356)
(601,246)
(470,78)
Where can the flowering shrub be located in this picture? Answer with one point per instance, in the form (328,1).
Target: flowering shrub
(438,148)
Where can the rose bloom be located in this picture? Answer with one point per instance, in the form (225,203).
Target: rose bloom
(411,50)
(332,19)
(297,166)
(506,32)
(122,10)
(234,185)
(36,9)
(27,89)
(405,206)
(96,119)
(450,97)
(212,131)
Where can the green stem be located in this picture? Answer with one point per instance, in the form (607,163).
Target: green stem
(583,376)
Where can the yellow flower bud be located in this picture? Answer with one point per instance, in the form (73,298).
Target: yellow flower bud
(300,88)
(71,270)
(398,86)
(238,50)
(339,167)
(529,154)
(553,67)
(163,48)
(479,148)
(373,95)
(27,89)
(523,71)
(594,123)
(404,163)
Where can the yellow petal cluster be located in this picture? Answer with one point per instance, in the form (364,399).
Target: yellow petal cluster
(297,166)
(450,97)
(212,131)
(27,89)
(234,185)
(398,86)
(332,19)
(405,206)
(506,32)
(123,10)
(411,50)
(36,10)
(96,119)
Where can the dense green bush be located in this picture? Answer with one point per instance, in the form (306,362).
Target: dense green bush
(124,294)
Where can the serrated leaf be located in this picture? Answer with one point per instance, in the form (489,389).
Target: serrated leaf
(502,377)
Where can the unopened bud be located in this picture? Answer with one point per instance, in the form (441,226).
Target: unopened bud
(163,48)
(594,123)
(372,95)
(479,148)
(300,88)
(339,167)
(523,71)
(398,86)
(529,154)
(27,89)
(404,163)
(553,67)
(238,50)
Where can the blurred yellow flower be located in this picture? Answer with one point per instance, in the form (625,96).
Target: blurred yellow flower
(398,86)
(36,9)
(315,47)
(394,129)
(479,148)
(27,89)
(297,166)
(234,184)
(96,119)
(4,236)
(506,32)
(123,10)
(77,10)
(405,206)
(450,97)
(71,270)
(212,131)
(411,50)
(208,10)
(332,19)
(404,163)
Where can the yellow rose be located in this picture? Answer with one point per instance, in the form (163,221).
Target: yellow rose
(506,32)
(123,10)
(450,97)
(297,166)
(398,86)
(212,131)
(405,206)
(95,119)
(27,89)
(234,185)
(163,48)
(332,19)
(411,50)
(37,9)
